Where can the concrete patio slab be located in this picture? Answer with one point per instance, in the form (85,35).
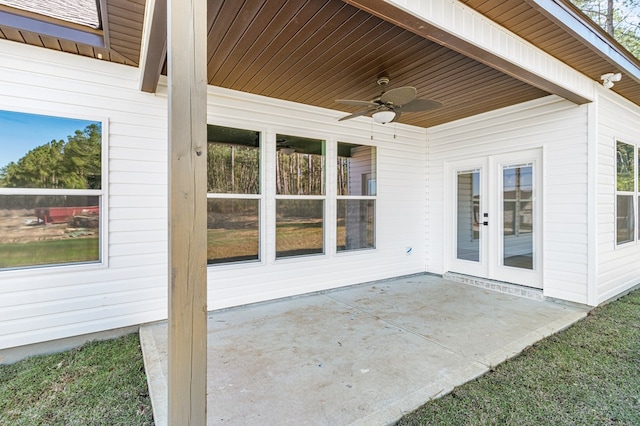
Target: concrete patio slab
(365,354)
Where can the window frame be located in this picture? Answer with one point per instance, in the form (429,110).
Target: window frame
(324,197)
(634,195)
(357,198)
(103,199)
(260,196)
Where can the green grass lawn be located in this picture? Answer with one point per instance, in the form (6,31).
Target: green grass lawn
(49,252)
(101,383)
(586,375)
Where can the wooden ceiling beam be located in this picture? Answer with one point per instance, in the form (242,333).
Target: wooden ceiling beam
(153,52)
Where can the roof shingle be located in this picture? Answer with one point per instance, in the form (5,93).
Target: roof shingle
(82,12)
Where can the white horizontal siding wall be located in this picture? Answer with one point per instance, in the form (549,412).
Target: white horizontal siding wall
(560,129)
(618,267)
(130,288)
(400,204)
(50,303)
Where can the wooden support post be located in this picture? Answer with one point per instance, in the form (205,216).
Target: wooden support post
(187,88)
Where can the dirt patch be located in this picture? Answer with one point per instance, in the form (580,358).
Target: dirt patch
(21,226)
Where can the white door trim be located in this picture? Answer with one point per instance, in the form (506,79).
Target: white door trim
(490,264)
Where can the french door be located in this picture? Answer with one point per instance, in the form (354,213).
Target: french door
(495,211)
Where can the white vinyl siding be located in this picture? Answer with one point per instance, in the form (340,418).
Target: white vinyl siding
(130,287)
(560,129)
(400,205)
(618,265)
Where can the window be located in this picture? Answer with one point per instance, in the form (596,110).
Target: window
(356,177)
(50,190)
(233,199)
(300,196)
(626,192)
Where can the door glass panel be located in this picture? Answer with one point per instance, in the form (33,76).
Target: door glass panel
(517,196)
(468,207)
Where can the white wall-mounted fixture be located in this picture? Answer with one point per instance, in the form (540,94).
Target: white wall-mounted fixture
(383,117)
(609,78)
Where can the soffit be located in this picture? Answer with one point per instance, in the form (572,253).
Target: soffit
(528,21)
(125,19)
(317,51)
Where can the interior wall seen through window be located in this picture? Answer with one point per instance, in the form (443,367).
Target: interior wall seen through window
(356,178)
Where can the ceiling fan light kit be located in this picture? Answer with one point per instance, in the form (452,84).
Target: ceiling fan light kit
(389,105)
(383,117)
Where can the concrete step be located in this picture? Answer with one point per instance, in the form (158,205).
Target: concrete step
(493,285)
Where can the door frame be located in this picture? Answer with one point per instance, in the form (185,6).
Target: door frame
(490,265)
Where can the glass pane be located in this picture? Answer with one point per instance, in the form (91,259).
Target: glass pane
(624,220)
(468,242)
(233,161)
(40,151)
(233,230)
(299,166)
(356,169)
(299,227)
(517,196)
(625,162)
(356,224)
(48,229)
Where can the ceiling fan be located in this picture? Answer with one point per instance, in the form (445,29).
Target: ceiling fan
(389,105)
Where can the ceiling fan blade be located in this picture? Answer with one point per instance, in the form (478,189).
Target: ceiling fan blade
(418,105)
(356,102)
(359,113)
(399,96)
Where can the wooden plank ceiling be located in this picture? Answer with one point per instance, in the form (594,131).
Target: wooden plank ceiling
(317,51)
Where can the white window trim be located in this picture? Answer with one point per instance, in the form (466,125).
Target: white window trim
(633,194)
(355,197)
(102,194)
(262,234)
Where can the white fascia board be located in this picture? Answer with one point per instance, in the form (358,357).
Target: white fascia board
(583,31)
